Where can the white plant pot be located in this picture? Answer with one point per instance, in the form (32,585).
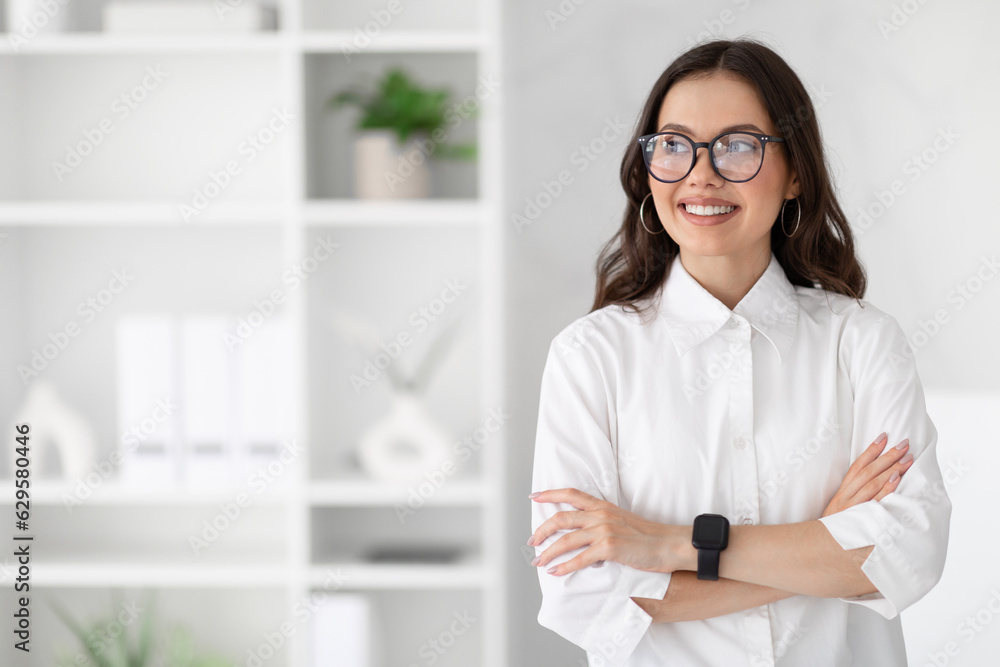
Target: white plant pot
(383,169)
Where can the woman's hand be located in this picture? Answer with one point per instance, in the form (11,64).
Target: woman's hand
(871,476)
(613,534)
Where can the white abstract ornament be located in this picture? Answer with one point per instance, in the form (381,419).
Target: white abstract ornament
(407,442)
(55,426)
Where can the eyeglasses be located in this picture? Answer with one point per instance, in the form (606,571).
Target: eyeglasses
(735,156)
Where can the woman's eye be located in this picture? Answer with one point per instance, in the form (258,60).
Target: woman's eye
(673,146)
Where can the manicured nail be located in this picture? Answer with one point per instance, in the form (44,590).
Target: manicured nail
(535,562)
(882,438)
(552,570)
(531,541)
(893,477)
(906,459)
(903,444)
(535,494)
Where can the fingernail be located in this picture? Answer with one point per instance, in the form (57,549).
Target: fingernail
(903,444)
(882,438)
(892,478)
(907,458)
(535,562)
(535,494)
(552,570)
(531,541)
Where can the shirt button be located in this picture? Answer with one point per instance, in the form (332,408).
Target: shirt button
(747,522)
(732,323)
(741,443)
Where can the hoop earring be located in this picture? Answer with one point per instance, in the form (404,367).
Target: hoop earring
(797,217)
(640,215)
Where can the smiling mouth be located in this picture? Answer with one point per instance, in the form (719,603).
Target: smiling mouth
(708,210)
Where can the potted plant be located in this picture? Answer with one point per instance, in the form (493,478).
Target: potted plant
(109,642)
(400,126)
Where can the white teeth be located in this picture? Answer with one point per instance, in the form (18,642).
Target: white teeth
(708,210)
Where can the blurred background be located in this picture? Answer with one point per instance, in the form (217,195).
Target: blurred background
(277,283)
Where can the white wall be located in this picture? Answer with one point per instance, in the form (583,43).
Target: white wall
(883,96)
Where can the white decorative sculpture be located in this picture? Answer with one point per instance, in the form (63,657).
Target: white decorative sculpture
(56,425)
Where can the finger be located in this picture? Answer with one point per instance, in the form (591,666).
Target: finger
(890,485)
(566,543)
(588,557)
(864,477)
(565,520)
(574,497)
(875,486)
(871,452)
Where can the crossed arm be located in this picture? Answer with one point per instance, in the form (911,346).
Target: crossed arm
(761,564)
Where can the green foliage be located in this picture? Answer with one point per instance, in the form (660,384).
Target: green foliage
(104,646)
(401,105)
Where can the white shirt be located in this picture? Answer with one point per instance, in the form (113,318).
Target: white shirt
(754,413)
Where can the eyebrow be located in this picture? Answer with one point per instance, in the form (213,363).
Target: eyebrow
(731,128)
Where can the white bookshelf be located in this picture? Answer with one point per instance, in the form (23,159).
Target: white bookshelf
(121,205)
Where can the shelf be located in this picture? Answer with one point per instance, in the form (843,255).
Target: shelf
(357,576)
(332,41)
(98,42)
(359,493)
(158,575)
(343,42)
(27,212)
(417,212)
(111,495)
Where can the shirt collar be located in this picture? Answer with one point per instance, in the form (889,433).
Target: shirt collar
(692,314)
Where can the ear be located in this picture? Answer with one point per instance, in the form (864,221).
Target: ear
(794,187)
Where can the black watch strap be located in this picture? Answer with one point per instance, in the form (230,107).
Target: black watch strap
(708,564)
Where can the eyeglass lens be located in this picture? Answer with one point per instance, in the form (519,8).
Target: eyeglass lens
(737,156)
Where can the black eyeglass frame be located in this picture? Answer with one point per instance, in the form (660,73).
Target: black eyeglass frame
(764,140)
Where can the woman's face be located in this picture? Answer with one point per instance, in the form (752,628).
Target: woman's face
(702,108)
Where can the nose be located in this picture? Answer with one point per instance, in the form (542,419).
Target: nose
(703,171)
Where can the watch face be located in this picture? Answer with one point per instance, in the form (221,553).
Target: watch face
(710,532)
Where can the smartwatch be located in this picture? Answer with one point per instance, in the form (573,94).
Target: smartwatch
(710,536)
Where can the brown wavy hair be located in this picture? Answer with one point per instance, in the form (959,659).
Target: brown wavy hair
(820,253)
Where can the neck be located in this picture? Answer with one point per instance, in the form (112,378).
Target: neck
(726,277)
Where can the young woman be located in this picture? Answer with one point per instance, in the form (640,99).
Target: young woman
(711,485)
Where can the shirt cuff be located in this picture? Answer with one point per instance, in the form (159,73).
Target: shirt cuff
(616,630)
(886,566)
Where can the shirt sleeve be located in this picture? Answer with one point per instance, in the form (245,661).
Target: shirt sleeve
(575,446)
(909,527)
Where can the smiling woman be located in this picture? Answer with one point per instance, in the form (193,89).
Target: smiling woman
(674,517)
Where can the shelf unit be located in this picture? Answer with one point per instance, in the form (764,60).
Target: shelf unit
(120,206)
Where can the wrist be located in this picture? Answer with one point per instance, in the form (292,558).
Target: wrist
(685,556)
